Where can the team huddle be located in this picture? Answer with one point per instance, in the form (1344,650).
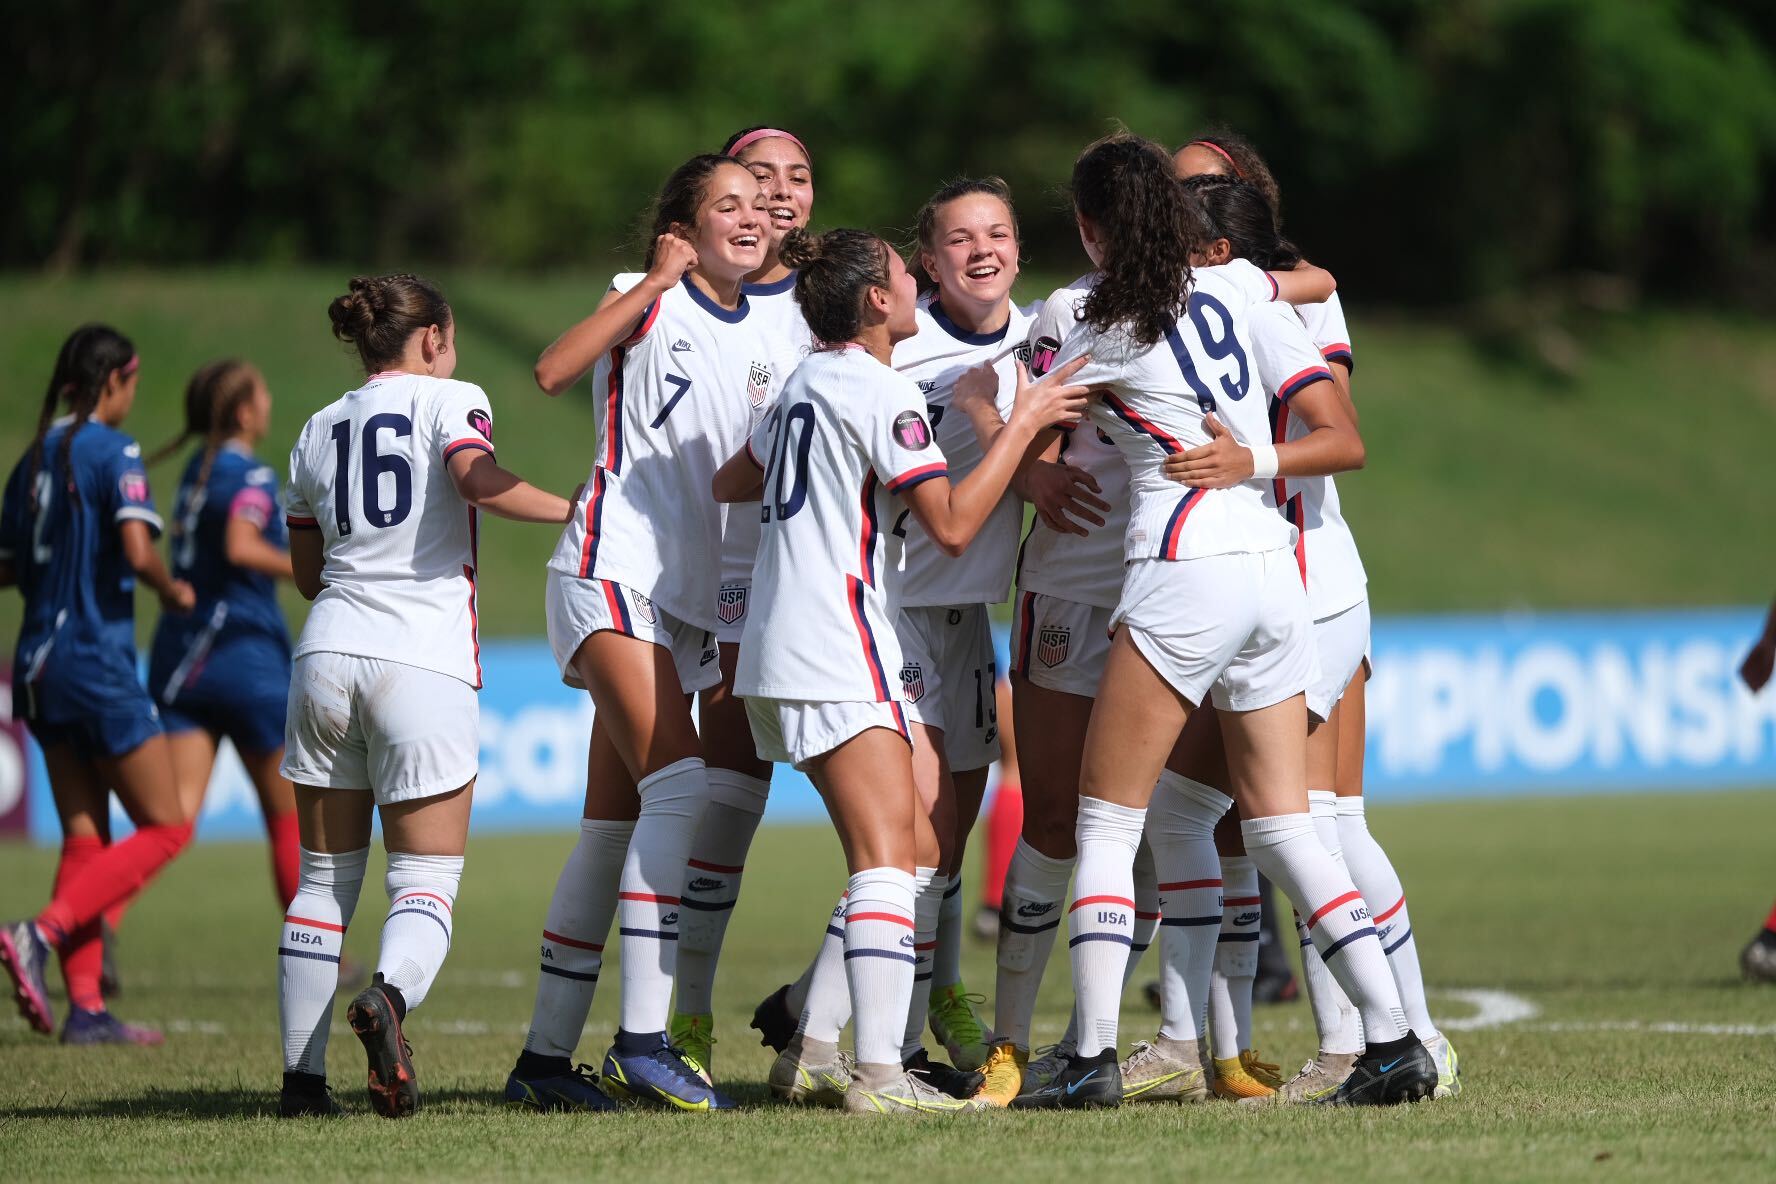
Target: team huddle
(807,488)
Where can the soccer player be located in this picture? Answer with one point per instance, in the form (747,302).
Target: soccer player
(1211,603)
(739,781)
(848,443)
(1339,600)
(680,367)
(76,534)
(1757,961)
(385,488)
(223,669)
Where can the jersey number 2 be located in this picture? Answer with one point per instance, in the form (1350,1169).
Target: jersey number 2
(376,464)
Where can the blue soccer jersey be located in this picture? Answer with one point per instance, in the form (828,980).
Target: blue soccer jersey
(238,486)
(76,655)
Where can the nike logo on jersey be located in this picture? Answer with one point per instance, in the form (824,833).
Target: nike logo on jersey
(681,346)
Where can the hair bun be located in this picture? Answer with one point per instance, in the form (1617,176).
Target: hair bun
(799,248)
(354,314)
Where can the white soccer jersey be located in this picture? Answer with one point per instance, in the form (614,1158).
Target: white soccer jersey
(776,308)
(935,358)
(1086,570)
(846,437)
(1152,403)
(369,473)
(1325,324)
(673,402)
(1289,359)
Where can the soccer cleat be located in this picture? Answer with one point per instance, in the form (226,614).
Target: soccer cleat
(1757,961)
(101,1027)
(1387,1074)
(1002,1077)
(394,1088)
(1234,1082)
(695,1034)
(307,1095)
(25,954)
(772,1020)
(956,1026)
(1262,1072)
(573,1088)
(1084,1083)
(1041,1072)
(956,1082)
(904,1093)
(1449,1084)
(1317,1082)
(811,1072)
(662,1076)
(1165,1070)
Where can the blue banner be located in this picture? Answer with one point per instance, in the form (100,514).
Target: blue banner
(1459,705)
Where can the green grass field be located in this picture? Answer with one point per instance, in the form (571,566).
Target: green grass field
(1491,484)
(1615,920)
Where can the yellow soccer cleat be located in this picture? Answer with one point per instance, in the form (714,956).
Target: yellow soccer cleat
(954,1023)
(694,1035)
(1003,1076)
(1234,1082)
(1263,1072)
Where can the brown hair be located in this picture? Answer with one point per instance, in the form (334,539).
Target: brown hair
(1248,166)
(88,358)
(834,271)
(682,195)
(950,191)
(213,400)
(1147,228)
(380,313)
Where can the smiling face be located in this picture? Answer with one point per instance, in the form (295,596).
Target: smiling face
(973,252)
(786,177)
(731,227)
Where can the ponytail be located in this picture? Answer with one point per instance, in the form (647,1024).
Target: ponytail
(1126,187)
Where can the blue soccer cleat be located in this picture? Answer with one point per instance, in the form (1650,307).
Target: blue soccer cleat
(101,1027)
(567,1087)
(662,1076)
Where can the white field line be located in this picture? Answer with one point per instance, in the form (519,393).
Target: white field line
(1492,1009)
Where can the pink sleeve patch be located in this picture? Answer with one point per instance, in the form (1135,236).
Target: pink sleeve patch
(252,504)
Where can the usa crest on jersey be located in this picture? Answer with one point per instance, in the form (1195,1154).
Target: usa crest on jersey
(1051,645)
(912,682)
(758,383)
(730,603)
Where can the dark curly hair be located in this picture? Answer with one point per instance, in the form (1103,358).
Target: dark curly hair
(1237,212)
(379,313)
(1126,187)
(834,271)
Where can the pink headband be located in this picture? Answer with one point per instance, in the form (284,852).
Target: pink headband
(1221,152)
(767,133)
(131,366)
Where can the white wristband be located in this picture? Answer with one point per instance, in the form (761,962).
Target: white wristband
(1264,461)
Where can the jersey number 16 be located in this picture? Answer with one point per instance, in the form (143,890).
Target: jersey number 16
(376,466)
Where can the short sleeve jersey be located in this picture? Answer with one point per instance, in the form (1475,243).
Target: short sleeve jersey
(1152,403)
(775,306)
(1088,569)
(848,435)
(67,557)
(369,472)
(673,402)
(238,485)
(935,357)
(1325,548)
(1325,325)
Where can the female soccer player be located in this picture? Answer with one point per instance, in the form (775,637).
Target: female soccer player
(223,669)
(739,781)
(817,661)
(1211,602)
(1339,600)
(76,533)
(681,367)
(385,485)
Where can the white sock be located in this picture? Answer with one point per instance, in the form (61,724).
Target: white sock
(1236,957)
(1287,850)
(1335,1018)
(574,933)
(648,895)
(712,881)
(946,966)
(309,944)
(1181,831)
(1029,918)
(1147,907)
(416,935)
(1101,921)
(1376,879)
(879,960)
(825,991)
(928,890)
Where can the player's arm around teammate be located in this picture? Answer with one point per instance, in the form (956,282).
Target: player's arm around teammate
(76,534)
(385,487)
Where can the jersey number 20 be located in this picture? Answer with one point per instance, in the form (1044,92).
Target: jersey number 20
(375,465)
(779,467)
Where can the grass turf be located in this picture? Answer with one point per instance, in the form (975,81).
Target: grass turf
(1618,919)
